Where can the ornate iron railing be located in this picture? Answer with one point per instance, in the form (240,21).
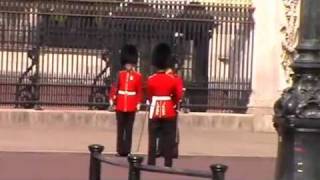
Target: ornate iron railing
(55,53)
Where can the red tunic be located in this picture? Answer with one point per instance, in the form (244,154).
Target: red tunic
(164,93)
(179,83)
(127,91)
(178,79)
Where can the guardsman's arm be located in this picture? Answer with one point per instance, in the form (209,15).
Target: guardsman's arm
(178,92)
(113,91)
(139,90)
(148,90)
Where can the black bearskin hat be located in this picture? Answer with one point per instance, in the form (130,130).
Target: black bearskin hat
(161,56)
(129,54)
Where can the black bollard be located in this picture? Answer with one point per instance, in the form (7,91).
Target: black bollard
(218,171)
(95,164)
(134,170)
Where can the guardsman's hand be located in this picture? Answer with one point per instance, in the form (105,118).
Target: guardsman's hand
(138,106)
(111,102)
(111,106)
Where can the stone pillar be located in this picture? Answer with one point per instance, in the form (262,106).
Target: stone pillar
(267,78)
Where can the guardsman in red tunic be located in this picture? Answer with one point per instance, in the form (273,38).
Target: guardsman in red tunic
(164,94)
(173,71)
(126,95)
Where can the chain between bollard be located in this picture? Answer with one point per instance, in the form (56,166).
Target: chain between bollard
(135,167)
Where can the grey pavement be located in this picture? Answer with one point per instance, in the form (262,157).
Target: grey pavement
(193,142)
(75,166)
(201,134)
(54,145)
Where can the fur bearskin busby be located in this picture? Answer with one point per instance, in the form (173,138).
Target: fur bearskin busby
(129,54)
(161,56)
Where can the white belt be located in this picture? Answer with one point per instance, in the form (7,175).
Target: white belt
(154,100)
(129,93)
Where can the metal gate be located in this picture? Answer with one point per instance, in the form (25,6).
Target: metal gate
(65,53)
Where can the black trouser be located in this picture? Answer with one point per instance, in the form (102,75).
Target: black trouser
(175,149)
(125,122)
(166,129)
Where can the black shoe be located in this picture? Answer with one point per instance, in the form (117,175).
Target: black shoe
(151,163)
(159,154)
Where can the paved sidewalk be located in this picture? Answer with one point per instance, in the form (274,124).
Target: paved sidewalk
(70,166)
(197,142)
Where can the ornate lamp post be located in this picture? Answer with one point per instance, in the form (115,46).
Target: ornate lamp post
(297,112)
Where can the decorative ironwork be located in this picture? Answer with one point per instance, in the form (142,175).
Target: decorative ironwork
(302,100)
(289,33)
(27,88)
(297,112)
(99,94)
(72,36)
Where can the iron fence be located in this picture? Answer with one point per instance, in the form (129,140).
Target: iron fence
(135,167)
(65,53)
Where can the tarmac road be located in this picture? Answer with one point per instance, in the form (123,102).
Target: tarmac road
(75,166)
